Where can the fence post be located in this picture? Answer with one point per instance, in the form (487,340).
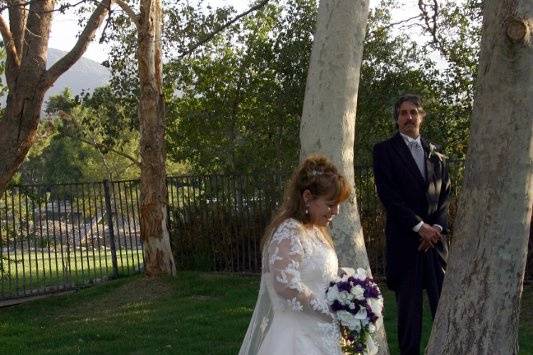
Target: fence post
(109,213)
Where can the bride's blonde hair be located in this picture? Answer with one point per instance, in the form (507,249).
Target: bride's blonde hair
(318,175)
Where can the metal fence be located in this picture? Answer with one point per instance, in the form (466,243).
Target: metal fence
(216,222)
(63,236)
(54,238)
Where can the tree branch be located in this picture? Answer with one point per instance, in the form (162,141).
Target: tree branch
(99,147)
(61,8)
(431,24)
(222,28)
(66,117)
(128,10)
(392,24)
(85,38)
(13,59)
(18,16)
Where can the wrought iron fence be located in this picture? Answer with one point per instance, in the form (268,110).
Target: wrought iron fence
(216,222)
(63,236)
(58,237)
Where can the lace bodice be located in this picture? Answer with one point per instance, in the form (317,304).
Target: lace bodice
(301,265)
(291,316)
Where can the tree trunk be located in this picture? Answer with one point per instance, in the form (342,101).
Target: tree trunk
(153,212)
(480,300)
(26,89)
(328,120)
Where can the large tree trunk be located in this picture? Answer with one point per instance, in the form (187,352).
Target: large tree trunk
(26,89)
(26,44)
(158,257)
(328,120)
(479,308)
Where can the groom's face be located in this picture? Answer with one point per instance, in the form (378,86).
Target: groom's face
(410,118)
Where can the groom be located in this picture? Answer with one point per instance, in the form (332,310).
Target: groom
(413,185)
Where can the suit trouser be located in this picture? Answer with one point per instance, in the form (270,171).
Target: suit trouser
(428,274)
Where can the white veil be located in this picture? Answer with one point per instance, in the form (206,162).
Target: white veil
(262,316)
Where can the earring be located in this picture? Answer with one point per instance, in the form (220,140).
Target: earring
(306,210)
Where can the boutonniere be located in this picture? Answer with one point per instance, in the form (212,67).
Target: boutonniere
(433,152)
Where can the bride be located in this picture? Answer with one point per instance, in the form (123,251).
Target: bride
(298,261)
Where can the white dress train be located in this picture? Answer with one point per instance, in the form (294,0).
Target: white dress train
(291,316)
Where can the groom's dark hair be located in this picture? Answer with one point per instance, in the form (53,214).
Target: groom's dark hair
(412,98)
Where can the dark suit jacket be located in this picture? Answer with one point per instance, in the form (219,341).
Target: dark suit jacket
(409,199)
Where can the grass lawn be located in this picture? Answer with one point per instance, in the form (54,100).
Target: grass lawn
(35,270)
(194,313)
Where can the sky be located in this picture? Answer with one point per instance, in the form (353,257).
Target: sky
(65,27)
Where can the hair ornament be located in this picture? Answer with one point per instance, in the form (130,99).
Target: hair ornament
(316,172)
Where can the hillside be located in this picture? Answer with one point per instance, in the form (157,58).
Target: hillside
(86,75)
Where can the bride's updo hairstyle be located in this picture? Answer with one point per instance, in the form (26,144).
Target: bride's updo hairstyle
(318,175)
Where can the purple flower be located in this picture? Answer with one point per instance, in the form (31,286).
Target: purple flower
(372,317)
(355,310)
(336,306)
(344,286)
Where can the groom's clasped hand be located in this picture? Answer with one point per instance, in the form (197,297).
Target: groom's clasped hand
(429,236)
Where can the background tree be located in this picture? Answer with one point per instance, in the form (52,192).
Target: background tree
(243,92)
(84,138)
(26,43)
(148,25)
(488,256)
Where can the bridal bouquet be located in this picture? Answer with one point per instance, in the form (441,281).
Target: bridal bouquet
(357,304)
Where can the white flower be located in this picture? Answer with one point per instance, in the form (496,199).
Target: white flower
(358,292)
(333,294)
(348,320)
(344,297)
(433,152)
(360,274)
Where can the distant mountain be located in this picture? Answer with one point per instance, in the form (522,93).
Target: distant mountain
(85,74)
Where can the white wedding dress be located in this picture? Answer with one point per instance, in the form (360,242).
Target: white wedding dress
(291,316)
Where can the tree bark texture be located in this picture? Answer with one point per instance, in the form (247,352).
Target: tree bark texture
(479,308)
(153,210)
(329,113)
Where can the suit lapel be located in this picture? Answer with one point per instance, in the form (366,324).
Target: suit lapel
(403,151)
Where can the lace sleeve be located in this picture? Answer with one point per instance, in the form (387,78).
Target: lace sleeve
(285,256)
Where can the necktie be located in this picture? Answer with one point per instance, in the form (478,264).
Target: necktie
(418,154)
